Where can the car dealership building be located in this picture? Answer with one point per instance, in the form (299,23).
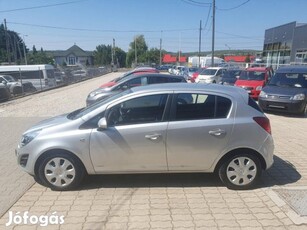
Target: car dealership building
(285,44)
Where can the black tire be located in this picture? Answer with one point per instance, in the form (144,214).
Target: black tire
(17,90)
(61,177)
(304,113)
(241,178)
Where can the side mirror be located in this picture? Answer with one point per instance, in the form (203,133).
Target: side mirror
(4,82)
(102,124)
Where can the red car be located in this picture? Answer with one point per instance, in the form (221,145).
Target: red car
(254,79)
(195,74)
(136,71)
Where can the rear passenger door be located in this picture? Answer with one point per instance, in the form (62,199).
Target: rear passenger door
(198,131)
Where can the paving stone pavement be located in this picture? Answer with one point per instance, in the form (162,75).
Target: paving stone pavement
(178,201)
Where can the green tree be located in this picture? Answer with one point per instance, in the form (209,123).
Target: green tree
(141,48)
(39,57)
(15,46)
(120,57)
(103,55)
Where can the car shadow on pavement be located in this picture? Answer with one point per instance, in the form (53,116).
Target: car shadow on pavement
(151,180)
(281,173)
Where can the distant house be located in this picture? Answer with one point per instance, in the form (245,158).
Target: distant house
(73,56)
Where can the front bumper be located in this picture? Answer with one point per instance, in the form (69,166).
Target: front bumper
(25,161)
(288,106)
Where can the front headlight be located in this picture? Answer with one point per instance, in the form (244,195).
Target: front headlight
(263,94)
(28,137)
(93,94)
(259,87)
(299,97)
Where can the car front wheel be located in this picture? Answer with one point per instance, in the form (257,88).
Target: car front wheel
(61,171)
(241,171)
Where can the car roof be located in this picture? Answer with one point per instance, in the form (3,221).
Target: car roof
(216,68)
(152,74)
(216,88)
(261,69)
(292,69)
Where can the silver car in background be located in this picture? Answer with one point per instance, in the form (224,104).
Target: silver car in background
(161,128)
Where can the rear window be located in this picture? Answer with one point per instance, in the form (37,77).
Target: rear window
(253,104)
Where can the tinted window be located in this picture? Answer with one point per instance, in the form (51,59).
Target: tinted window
(175,79)
(145,109)
(298,80)
(223,105)
(157,80)
(201,106)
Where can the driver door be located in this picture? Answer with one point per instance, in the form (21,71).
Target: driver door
(135,138)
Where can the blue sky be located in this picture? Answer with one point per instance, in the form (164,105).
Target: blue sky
(99,21)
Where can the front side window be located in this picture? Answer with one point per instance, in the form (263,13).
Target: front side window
(146,109)
(200,106)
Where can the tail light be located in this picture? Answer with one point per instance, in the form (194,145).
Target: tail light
(264,122)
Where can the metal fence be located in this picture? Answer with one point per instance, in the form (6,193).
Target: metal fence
(26,80)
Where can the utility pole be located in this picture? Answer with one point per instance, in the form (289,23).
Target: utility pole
(213,32)
(161,49)
(135,52)
(199,50)
(24,49)
(112,56)
(7,43)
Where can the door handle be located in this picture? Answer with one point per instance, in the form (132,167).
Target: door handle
(217,132)
(153,137)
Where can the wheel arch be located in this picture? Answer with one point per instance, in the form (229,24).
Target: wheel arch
(58,150)
(237,151)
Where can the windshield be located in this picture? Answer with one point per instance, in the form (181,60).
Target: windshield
(193,69)
(9,78)
(208,72)
(295,80)
(252,75)
(83,111)
(231,74)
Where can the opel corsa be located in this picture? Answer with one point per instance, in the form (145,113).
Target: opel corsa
(163,128)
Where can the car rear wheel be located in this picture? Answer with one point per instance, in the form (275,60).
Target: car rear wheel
(61,171)
(304,114)
(241,171)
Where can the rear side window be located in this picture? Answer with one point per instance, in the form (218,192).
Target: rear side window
(200,106)
(252,103)
(157,80)
(174,79)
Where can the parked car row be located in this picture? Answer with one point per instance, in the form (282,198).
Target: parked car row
(9,86)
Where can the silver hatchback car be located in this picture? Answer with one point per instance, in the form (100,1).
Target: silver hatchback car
(160,128)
